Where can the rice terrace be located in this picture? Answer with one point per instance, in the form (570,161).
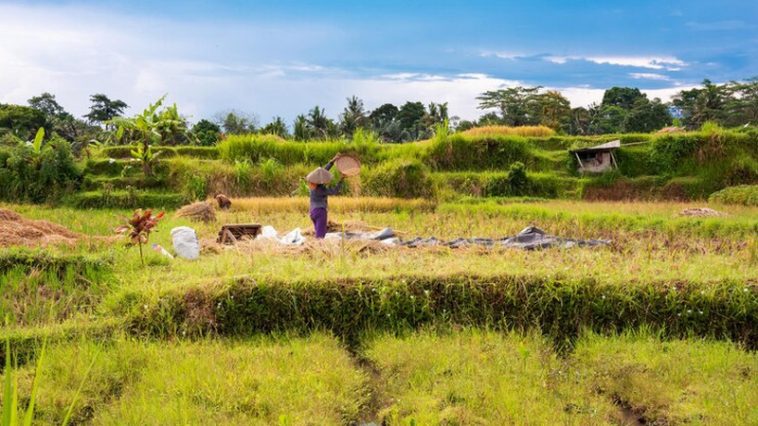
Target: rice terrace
(542,260)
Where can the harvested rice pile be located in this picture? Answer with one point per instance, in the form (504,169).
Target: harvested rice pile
(17,231)
(701,212)
(200,211)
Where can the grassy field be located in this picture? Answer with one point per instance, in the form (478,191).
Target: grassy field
(328,333)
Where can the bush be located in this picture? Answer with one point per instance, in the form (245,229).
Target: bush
(30,176)
(746,195)
(458,153)
(130,199)
(515,183)
(400,178)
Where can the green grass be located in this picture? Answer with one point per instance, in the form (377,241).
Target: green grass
(255,381)
(673,382)
(477,377)
(38,287)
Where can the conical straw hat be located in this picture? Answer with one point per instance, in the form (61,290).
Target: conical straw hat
(319,176)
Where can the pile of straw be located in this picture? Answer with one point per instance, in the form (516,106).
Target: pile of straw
(18,231)
(200,211)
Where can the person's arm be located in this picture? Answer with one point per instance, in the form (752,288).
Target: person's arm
(329,165)
(336,189)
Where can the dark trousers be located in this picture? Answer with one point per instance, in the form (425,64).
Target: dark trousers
(318,216)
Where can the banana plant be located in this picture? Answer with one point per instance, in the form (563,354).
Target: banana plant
(38,138)
(144,128)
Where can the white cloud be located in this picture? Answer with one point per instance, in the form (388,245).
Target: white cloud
(648,76)
(258,69)
(669,63)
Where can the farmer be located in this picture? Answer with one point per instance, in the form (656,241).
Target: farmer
(319,194)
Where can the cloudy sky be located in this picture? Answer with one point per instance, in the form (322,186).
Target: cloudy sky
(284,57)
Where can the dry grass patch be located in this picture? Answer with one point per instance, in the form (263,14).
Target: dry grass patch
(494,131)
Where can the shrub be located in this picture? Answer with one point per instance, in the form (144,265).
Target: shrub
(514,183)
(458,153)
(38,176)
(129,199)
(747,195)
(400,178)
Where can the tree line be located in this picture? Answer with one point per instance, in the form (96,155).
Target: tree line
(622,110)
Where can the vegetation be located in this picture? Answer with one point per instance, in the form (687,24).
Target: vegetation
(747,195)
(490,320)
(657,326)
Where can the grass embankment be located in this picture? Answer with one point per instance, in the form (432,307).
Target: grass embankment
(559,308)
(263,380)
(683,166)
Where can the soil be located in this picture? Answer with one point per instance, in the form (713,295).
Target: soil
(15,230)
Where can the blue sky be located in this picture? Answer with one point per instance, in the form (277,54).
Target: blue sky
(283,57)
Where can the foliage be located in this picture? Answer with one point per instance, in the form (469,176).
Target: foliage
(746,195)
(276,127)
(38,172)
(103,109)
(400,178)
(237,123)
(148,128)
(137,229)
(353,117)
(206,132)
(22,121)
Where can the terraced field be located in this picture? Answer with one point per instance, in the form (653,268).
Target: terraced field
(659,326)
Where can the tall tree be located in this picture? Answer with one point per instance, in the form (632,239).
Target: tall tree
(58,120)
(319,125)
(206,132)
(699,105)
(578,122)
(554,109)
(516,104)
(353,117)
(647,116)
(742,103)
(277,126)
(623,97)
(301,131)
(21,120)
(236,122)
(104,109)
(607,119)
(47,104)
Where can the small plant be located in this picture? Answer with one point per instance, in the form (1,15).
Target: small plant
(10,391)
(138,229)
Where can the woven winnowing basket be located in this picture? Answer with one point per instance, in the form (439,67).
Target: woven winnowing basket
(348,165)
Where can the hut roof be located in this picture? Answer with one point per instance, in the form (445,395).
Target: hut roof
(608,146)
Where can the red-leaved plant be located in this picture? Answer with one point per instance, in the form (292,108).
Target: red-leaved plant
(138,228)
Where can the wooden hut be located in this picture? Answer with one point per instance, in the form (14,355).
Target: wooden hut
(597,159)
